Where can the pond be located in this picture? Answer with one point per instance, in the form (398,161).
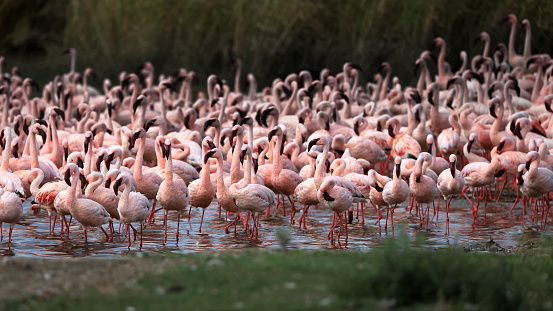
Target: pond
(31,236)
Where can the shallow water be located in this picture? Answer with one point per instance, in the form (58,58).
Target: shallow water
(31,236)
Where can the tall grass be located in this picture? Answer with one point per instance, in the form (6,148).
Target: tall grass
(273,37)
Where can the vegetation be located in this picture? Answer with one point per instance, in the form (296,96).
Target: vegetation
(273,37)
(394,276)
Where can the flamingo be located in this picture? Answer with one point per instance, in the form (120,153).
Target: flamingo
(480,174)
(377,183)
(132,206)
(44,196)
(173,192)
(337,199)
(537,181)
(283,180)
(253,198)
(11,208)
(147,183)
(5,174)
(450,183)
(396,191)
(225,199)
(96,192)
(423,188)
(88,212)
(403,145)
(201,190)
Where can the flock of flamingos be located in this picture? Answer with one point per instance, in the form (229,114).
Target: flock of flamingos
(138,147)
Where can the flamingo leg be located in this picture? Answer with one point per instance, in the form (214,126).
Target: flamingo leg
(189,212)
(165,226)
(447,204)
(141,228)
(178,226)
(202,219)
(292,221)
(392,216)
(10,235)
(516,201)
(107,235)
(128,235)
(303,217)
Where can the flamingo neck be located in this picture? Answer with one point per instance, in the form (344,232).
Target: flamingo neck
(139,159)
(35,184)
(441,61)
(221,188)
(169,169)
(512,35)
(248,169)
(319,170)
(33,152)
(93,186)
(235,165)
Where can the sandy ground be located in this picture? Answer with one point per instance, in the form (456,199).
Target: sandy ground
(30,277)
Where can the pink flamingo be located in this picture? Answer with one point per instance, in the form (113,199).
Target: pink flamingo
(11,208)
(450,183)
(202,190)
(396,191)
(173,192)
(337,199)
(87,212)
(132,206)
(45,195)
(253,198)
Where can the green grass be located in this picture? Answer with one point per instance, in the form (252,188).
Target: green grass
(394,276)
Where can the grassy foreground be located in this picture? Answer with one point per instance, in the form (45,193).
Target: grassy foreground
(395,276)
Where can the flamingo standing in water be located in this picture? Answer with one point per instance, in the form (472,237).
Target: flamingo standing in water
(173,192)
(11,208)
(337,199)
(201,190)
(147,183)
(480,174)
(132,206)
(423,187)
(87,212)
(450,183)
(537,182)
(45,195)
(253,198)
(283,180)
(225,199)
(396,191)
(96,192)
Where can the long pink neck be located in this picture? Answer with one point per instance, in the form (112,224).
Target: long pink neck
(512,35)
(139,159)
(319,171)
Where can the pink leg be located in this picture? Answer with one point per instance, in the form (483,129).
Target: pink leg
(447,204)
(292,221)
(516,200)
(141,228)
(165,226)
(10,235)
(303,217)
(151,216)
(107,235)
(178,226)
(392,216)
(85,236)
(202,219)
(128,235)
